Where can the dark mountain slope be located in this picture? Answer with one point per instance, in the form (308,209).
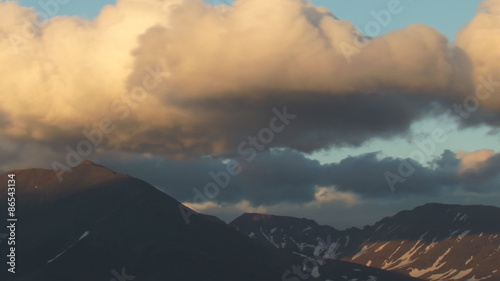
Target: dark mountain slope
(96,224)
(124,222)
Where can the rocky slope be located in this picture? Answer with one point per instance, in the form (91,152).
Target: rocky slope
(431,242)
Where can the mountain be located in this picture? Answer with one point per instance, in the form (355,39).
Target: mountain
(299,235)
(431,242)
(97,221)
(99,225)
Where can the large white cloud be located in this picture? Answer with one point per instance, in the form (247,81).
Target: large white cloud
(480,40)
(69,73)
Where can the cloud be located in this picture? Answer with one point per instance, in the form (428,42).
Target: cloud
(15,154)
(240,207)
(208,79)
(474,160)
(479,165)
(288,177)
(480,41)
(325,195)
(336,214)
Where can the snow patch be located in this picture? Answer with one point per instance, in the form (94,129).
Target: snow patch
(379,227)
(381,247)
(462,235)
(469,260)
(56,257)
(474,278)
(437,265)
(347,238)
(85,234)
(363,251)
(462,274)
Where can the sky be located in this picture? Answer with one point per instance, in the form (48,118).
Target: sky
(447,16)
(361,108)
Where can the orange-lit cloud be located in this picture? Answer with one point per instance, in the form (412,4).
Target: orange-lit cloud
(211,79)
(480,41)
(326,195)
(474,160)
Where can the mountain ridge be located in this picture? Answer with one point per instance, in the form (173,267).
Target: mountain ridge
(96,222)
(434,241)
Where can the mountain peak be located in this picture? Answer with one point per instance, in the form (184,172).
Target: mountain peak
(87,164)
(42,186)
(257,216)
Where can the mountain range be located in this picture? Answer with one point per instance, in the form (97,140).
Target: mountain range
(430,242)
(100,225)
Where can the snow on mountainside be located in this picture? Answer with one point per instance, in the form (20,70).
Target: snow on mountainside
(431,242)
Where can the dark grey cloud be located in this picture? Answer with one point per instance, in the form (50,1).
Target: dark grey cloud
(286,176)
(479,117)
(350,111)
(4,119)
(270,178)
(323,120)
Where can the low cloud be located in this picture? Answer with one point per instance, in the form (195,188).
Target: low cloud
(326,195)
(479,165)
(474,160)
(285,176)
